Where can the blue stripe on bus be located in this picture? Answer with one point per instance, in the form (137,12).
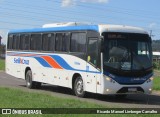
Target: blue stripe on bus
(66,66)
(66,28)
(42,62)
(62,62)
(128,80)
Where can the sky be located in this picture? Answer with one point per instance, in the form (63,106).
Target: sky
(22,14)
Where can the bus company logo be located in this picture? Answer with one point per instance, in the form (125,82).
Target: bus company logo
(21,61)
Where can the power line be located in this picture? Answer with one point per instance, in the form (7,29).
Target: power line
(1,21)
(56,17)
(60,17)
(85,6)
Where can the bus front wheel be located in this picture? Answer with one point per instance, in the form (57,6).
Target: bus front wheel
(29,82)
(78,87)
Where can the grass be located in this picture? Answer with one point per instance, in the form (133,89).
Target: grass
(16,98)
(156,83)
(2,64)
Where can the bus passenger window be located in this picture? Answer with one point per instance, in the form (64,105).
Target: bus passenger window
(24,42)
(65,43)
(78,42)
(15,42)
(36,42)
(59,42)
(48,42)
(10,40)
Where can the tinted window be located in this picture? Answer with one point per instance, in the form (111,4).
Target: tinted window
(24,42)
(92,50)
(62,42)
(59,41)
(78,42)
(65,42)
(48,42)
(15,45)
(36,42)
(10,40)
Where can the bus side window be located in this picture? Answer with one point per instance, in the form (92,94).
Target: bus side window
(48,42)
(62,42)
(92,50)
(65,42)
(78,42)
(24,42)
(15,42)
(10,40)
(59,42)
(36,42)
(52,42)
(45,41)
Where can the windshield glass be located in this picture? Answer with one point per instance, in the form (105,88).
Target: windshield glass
(127,52)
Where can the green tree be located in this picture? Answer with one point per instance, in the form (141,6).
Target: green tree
(2,49)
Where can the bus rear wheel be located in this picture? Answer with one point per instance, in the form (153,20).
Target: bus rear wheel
(78,87)
(29,81)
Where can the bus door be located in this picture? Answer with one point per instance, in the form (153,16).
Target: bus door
(92,55)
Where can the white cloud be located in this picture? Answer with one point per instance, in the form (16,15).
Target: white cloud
(152,25)
(67,3)
(98,1)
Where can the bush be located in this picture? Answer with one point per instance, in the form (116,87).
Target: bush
(156,65)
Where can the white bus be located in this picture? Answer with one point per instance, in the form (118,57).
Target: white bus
(102,59)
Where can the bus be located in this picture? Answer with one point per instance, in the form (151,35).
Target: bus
(101,59)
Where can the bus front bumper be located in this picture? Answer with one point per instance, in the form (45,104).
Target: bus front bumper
(112,87)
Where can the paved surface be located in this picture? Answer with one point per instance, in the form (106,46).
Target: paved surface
(132,101)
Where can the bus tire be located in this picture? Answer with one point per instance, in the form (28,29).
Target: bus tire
(78,87)
(29,83)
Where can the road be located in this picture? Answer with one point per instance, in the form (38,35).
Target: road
(132,101)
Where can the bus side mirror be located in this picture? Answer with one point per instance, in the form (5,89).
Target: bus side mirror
(102,43)
(88,58)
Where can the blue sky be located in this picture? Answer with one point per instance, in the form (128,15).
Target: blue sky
(20,14)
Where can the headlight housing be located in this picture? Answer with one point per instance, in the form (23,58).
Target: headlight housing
(109,79)
(150,79)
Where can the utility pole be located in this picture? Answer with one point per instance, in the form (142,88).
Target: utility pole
(0,40)
(151,33)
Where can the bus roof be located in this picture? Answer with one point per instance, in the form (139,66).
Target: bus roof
(121,28)
(65,28)
(98,28)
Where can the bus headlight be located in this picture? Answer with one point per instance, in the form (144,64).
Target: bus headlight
(109,79)
(150,79)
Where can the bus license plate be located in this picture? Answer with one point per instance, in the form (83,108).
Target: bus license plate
(132,89)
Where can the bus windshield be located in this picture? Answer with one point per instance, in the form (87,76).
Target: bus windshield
(126,52)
